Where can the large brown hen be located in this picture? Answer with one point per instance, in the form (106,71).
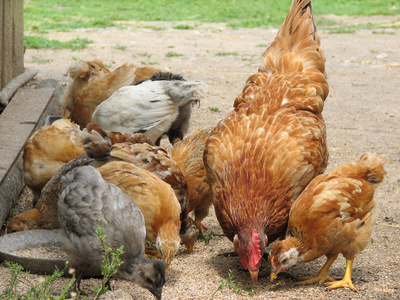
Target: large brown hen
(260,157)
(333,215)
(92,83)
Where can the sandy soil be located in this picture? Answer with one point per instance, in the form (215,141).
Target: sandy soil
(362,114)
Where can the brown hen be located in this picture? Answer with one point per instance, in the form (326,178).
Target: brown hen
(92,83)
(260,157)
(188,154)
(333,215)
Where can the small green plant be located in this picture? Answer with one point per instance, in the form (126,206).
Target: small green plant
(183,26)
(214,109)
(171,46)
(110,263)
(223,53)
(172,54)
(151,63)
(246,59)
(219,288)
(43,290)
(36,59)
(38,42)
(120,47)
(76,58)
(206,236)
(263,45)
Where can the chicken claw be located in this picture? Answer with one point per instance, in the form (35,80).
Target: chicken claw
(346,281)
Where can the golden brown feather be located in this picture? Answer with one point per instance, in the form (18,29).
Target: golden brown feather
(260,157)
(333,215)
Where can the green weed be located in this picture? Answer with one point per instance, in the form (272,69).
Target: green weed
(223,53)
(183,26)
(36,59)
(206,236)
(38,42)
(214,109)
(172,54)
(120,47)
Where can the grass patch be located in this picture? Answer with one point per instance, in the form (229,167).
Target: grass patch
(172,54)
(214,109)
(38,42)
(120,47)
(223,53)
(150,63)
(183,26)
(64,15)
(36,59)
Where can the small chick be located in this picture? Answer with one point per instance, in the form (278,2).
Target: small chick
(86,203)
(334,214)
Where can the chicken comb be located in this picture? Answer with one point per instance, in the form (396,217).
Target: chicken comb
(255,250)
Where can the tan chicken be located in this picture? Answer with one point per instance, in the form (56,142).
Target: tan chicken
(333,215)
(260,157)
(155,198)
(92,83)
(188,154)
(47,150)
(140,151)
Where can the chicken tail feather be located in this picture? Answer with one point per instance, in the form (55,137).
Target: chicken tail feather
(373,166)
(95,142)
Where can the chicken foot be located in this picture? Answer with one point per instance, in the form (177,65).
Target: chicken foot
(346,281)
(323,273)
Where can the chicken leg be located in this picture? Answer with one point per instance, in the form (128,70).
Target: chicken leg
(323,273)
(346,281)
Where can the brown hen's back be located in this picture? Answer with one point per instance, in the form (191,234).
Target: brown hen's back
(261,156)
(188,154)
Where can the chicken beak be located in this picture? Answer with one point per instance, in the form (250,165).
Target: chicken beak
(168,258)
(254,275)
(190,246)
(156,292)
(273,275)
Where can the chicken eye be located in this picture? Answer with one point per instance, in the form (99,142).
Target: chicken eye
(149,280)
(284,261)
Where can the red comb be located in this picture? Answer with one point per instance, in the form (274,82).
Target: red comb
(255,250)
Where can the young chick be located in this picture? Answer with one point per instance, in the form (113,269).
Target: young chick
(334,214)
(188,154)
(47,150)
(155,107)
(156,200)
(86,203)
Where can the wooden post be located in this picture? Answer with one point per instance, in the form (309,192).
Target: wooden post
(11,40)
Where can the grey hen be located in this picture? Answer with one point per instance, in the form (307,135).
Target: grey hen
(86,203)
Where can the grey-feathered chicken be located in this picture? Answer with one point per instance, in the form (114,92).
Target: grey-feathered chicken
(158,106)
(87,203)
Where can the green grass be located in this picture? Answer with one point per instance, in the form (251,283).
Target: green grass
(172,54)
(226,53)
(38,42)
(64,15)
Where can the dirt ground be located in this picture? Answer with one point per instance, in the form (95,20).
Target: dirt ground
(362,114)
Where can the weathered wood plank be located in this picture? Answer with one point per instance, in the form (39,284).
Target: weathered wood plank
(12,40)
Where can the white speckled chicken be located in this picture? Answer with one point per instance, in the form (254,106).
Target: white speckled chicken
(87,203)
(334,214)
(158,106)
